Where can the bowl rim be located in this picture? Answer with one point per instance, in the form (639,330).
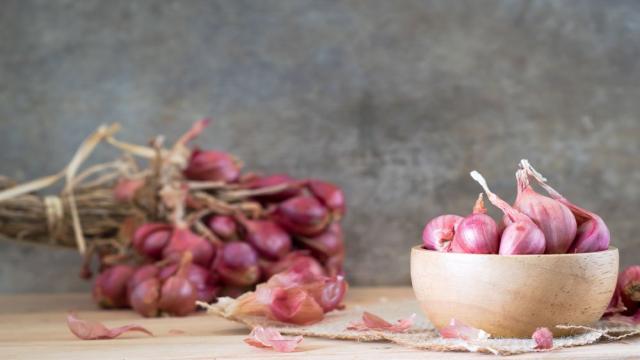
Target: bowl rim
(419,248)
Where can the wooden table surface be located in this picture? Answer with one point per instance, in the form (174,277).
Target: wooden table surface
(34,327)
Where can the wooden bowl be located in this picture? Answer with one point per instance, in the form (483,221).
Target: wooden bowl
(511,296)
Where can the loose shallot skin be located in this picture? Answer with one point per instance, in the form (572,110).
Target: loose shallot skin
(552,217)
(477,233)
(439,232)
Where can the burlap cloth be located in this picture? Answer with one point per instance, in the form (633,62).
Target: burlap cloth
(422,335)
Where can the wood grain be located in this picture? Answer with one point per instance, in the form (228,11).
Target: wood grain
(33,327)
(511,296)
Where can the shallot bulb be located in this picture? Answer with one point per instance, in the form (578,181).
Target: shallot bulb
(238,264)
(223,226)
(271,240)
(178,295)
(145,297)
(439,232)
(552,217)
(205,281)
(629,285)
(184,240)
(212,166)
(110,287)
(327,244)
(330,195)
(303,215)
(150,239)
(477,233)
(592,233)
(141,274)
(521,235)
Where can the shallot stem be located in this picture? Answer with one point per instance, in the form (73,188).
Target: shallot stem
(526,166)
(513,214)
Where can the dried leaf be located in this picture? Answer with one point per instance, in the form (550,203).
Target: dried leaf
(543,338)
(374,322)
(270,338)
(93,330)
(459,330)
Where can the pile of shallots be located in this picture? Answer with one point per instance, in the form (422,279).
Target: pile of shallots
(534,224)
(184,256)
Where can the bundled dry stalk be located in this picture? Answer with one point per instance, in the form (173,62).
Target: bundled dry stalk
(98,208)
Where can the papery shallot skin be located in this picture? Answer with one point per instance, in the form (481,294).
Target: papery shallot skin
(522,238)
(592,235)
(555,219)
(439,232)
(476,234)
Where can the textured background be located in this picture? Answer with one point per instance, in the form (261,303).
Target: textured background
(396,101)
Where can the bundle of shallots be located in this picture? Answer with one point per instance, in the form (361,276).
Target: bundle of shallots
(190,226)
(534,224)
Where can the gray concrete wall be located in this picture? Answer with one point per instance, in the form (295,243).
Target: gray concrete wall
(395,100)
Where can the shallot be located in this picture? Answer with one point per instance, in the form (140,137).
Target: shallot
(224,226)
(552,217)
(327,244)
(521,235)
(629,286)
(592,233)
(267,237)
(238,264)
(150,239)
(439,232)
(184,240)
(110,287)
(212,166)
(477,233)
(303,215)
(178,295)
(330,195)
(144,298)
